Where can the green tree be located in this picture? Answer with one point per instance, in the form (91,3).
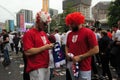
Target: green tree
(53,25)
(69,9)
(59,22)
(114,13)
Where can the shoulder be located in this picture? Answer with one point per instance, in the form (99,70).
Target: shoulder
(29,32)
(87,30)
(44,32)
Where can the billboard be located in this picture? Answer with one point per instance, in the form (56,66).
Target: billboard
(22,21)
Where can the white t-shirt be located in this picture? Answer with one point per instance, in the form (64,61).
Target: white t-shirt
(117,35)
(51,60)
(63,38)
(98,36)
(11,38)
(67,36)
(58,38)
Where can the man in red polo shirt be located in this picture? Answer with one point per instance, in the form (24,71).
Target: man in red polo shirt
(36,46)
(82,43)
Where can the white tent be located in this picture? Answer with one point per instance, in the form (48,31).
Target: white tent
(103,21)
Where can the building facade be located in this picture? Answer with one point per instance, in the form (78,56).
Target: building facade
(82,6)
(28,15)
(53,12)
(20,21)
(9,25)
(24,16)
(2,26)
(100,10)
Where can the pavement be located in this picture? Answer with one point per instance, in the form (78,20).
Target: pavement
(15,70)
(100,77)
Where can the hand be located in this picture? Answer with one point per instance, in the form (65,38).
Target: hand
(68,58)
(49,46)
(77,58)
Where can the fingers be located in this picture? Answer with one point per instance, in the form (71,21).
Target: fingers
(76,59)
(49,46)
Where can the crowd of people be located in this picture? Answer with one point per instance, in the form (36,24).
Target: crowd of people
(80,50)
(9,42)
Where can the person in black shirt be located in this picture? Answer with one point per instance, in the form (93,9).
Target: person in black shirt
(105,54)
(5,44)
(16,40)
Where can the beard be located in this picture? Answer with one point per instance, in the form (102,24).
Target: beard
(75,28)
(42,27)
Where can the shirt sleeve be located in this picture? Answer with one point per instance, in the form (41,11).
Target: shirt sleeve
(27,41)
(92,41)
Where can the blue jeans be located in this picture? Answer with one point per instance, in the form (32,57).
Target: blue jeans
(6,55)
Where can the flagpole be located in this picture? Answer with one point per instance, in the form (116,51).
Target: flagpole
(49,23)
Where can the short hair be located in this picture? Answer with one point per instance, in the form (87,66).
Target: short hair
(56,30)
(104,32)
(4,30)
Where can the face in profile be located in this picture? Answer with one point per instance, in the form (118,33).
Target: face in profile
(42,19)
(41,25)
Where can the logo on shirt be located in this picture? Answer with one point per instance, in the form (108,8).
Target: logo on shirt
(44,39)
(74,38)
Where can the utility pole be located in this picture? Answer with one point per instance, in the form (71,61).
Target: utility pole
(45,7)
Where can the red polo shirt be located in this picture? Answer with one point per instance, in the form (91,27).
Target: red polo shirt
(34,39)
(81,42)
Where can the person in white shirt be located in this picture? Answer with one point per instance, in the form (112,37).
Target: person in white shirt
(11,41)
(63,41)
(57,36)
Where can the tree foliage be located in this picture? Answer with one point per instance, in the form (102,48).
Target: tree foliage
(114,13)
(53,25)
(59,22)
(69,9)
